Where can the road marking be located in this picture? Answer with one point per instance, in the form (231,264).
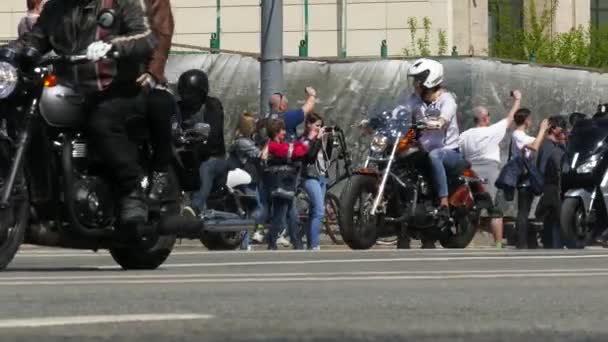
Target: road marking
(98,319)
(161,276)
(305,279)
(441,252)
(374,260)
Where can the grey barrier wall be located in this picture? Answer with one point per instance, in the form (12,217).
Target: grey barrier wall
(348,89)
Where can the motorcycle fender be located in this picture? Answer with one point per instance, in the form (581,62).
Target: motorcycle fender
(584,194)
(462,198)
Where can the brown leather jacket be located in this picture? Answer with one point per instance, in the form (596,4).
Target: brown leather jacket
(162,23)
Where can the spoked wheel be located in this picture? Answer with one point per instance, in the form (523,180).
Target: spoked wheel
(14,219)
(358,228)
(575,231)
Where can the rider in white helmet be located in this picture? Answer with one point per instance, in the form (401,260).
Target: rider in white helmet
(437,107)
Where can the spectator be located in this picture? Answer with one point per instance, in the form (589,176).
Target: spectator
(34,7)
(197,106)
(281,179)
(292,119)
(314,180)
(246,155)
(480,146)
(550,161)
(523,145)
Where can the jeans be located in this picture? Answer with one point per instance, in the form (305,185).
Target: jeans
(108,135)
(210,170)
(525,237)
(315,188)
(257,215)
(284,210)
(442,159)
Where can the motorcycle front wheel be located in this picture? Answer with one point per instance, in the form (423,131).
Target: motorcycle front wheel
(358,228)
(14,219)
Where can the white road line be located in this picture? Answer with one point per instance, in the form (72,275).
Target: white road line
(98,319)
(161,276)
(442,252)
(306,279)
(374,260)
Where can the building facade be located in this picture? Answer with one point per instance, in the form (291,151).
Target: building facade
(348,27)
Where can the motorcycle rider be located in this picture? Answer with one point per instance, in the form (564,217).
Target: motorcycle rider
(197,106)
(437,107)
(109,87)
(157,102)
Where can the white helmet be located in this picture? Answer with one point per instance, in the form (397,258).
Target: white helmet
(429,72)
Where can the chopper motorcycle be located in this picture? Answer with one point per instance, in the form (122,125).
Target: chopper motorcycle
(392,194)
(54,191)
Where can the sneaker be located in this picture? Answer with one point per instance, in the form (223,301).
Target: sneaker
(188,211)
(318,248)
(160,183)
(258,237)
(283,241)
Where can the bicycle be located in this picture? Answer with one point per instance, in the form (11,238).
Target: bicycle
(330,219)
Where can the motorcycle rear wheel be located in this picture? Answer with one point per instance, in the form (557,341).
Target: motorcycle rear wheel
(146,257)
(465,232)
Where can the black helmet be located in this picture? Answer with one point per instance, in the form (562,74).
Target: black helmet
(193,83)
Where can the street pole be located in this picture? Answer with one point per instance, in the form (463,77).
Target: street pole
(271,68)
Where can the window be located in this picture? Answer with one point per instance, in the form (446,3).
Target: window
(599,13)
(504,16)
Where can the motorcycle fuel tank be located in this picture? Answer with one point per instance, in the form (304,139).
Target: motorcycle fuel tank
(62,106)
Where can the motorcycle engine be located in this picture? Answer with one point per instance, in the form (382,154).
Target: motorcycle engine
(93,202)
(92,195)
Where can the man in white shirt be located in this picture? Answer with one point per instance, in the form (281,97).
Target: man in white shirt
(480,146)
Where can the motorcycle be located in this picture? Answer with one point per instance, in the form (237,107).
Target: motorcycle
(585,183)
(392,194)
(54,190)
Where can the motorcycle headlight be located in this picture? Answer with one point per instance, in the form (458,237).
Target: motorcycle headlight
(379,143)
(8,79)
(590,164)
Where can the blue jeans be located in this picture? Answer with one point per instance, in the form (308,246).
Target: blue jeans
(284,213)
(210,170)
(442,159)
(259,215)
(315,188)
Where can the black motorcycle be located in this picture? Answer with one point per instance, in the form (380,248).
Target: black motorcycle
(585,183)
(392,194)
(54,191)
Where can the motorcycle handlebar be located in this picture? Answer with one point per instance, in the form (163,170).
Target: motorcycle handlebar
(75,59)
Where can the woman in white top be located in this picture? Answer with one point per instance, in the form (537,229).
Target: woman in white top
(523,143)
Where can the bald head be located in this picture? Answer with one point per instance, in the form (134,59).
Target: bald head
(481,116)
(278,103)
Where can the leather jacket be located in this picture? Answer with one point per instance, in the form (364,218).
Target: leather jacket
(68,27)
(162,23)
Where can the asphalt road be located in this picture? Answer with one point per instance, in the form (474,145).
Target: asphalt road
(438,295)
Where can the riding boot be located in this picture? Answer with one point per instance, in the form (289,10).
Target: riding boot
(134,208)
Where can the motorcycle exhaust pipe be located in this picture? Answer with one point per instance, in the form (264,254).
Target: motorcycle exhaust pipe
(193,228)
